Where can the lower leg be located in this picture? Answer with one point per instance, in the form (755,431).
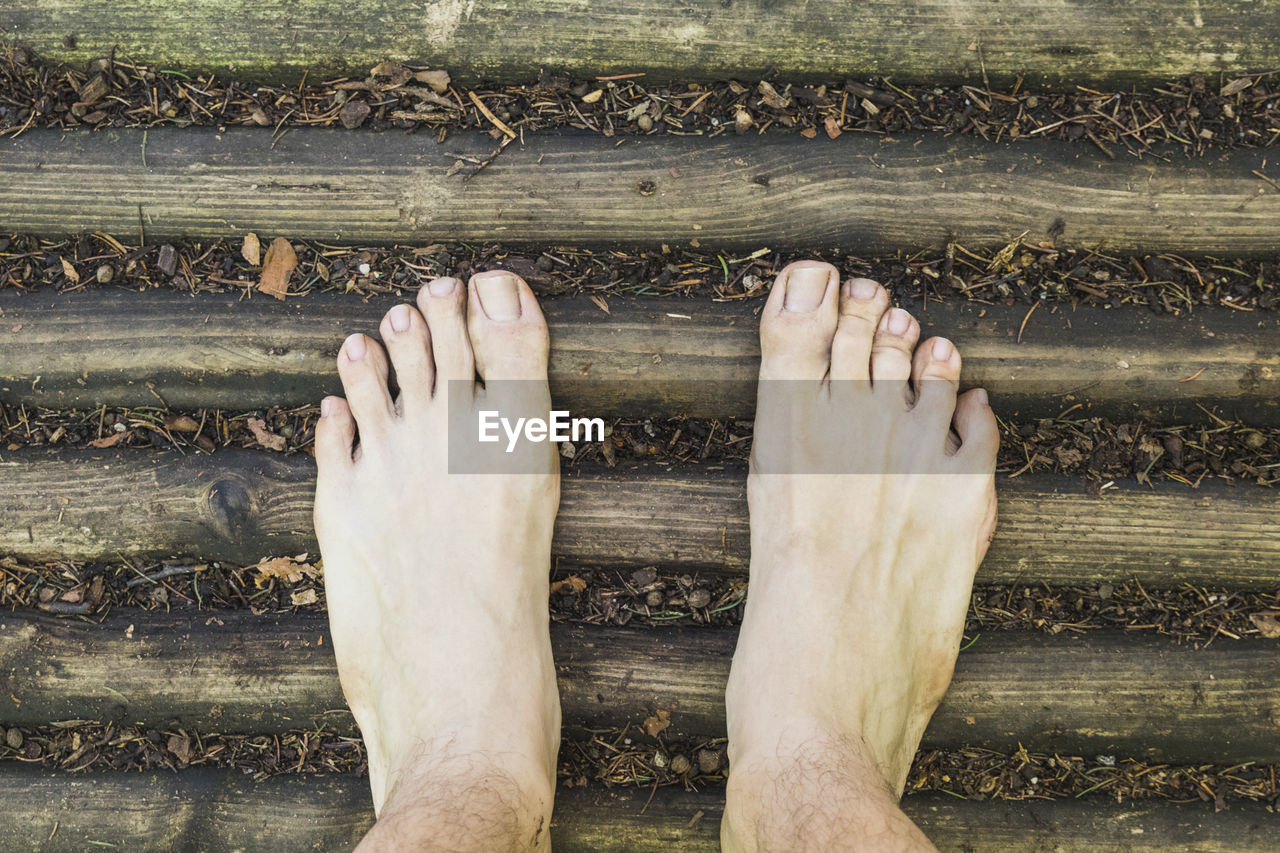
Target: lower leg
(872,502)
(437,580)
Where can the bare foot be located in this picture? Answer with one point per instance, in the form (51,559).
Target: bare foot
(437,581)
(860,578)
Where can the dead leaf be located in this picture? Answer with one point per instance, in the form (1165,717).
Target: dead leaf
(394,71)
(110,441)
(1266,623)
(180,747)
(251,249)
(573,583)
(353,114)
(276,269)
(181,423)
(437,80)
(771,97)
(264,436)
(809,132)
(70,272)
(657,724)
(283,568)
(600,303)
(304,596)
(1237,85)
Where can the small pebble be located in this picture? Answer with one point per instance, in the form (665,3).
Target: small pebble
(645,123)
(699,598)
(364,269)
(654,598)
(13,738)
(105,274)
(680,765)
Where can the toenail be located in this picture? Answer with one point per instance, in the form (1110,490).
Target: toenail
(863,289)
(400,318)
(980,394)
(499,296)
(942,349)
(806,287)
(354,347)
(442,286)
(897,321)
(326,407)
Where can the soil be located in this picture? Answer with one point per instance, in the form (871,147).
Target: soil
(1197,113)
(630,757)
(1021,273)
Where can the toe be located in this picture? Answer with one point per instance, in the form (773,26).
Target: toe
(979,432)
(335,434)
(862,304)
(508,331)
(404,331)
(891,350)
(363,367)
(443,304)
(935,375)
(799,322)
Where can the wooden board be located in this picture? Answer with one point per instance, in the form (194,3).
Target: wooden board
(1107,693)
(857,193)
(646,357)
(1098,42)
(220,811)
(243,505)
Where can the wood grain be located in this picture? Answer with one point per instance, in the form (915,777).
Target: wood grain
(1098,42)
(220,811)
(646,357)
(1104,693)
(243,505)
(857,193)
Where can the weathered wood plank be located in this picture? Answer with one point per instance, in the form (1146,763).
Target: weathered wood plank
(219,811)
(243,505)
(1097,42)
(647,357)
(1108,693)
(855,193)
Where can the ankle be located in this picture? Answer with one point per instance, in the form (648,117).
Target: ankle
(455,800)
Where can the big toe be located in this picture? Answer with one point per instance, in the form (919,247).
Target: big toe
(507,329)
(799,322)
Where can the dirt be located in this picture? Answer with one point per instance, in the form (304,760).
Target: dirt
(1021,273)
(1198,114)
(632,758)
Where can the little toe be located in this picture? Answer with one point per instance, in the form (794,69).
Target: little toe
(363,367)
(508,332)
(408,341)
(978,430)
(335,435)
(935,375)
(799,321)
(862,304)
(443,304)
(891,350)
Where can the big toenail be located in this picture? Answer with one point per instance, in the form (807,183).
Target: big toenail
(899,322)
(863,289)
(499,296)
(354,347)
(980,395)
(942,349)
(326,407)
(400,318)
(805,288)
(442,286)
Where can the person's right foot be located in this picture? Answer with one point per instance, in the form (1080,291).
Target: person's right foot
(860,580)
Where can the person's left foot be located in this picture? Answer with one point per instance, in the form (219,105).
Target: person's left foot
(437,581)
